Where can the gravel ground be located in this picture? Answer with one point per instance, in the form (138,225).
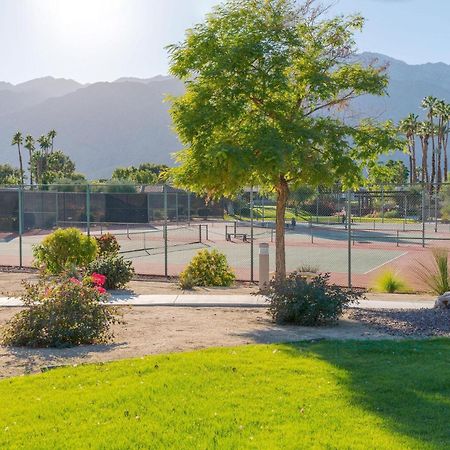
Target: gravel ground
(397,322)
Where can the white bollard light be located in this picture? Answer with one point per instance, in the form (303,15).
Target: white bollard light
(263,265)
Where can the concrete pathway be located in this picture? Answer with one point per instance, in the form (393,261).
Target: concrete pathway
(233,301)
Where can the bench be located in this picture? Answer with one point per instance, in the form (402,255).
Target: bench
(243,236)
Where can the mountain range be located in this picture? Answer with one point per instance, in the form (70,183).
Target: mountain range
(108,124)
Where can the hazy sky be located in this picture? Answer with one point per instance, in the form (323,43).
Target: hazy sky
(94,40)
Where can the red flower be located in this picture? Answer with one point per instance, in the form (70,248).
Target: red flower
(100,290)
(75,280)
(98,279)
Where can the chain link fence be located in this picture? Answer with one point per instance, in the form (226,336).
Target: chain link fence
(355,236)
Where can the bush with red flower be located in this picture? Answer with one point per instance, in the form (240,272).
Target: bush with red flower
(61,312)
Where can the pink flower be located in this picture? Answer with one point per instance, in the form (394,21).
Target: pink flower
(75,280)
(100,290)
(98,279)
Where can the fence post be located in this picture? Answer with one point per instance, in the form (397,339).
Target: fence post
(406,212)
(88,209)
(166,271)
(20,226)
(176,205)
(423,214)
(349,231)
(251,235)
(317,206)
(382,204)
(148,207)
(436,208)
(189,208)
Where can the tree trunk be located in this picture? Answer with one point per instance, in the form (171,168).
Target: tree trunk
(31,167)
(445,160)
(280,253)
(20,164)
(414,163)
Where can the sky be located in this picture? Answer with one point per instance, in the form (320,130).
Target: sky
(102,40)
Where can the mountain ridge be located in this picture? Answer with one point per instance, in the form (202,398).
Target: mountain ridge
(123,122)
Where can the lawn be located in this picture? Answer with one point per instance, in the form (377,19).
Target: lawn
(384,395)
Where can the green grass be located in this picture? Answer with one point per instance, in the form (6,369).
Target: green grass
(304,216)
(383,395)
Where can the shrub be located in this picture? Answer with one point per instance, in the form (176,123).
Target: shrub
(436,277)
(208,268)
(61,313)
(117,271)
(389,282)
(307,301)
(64,249)
(107,244)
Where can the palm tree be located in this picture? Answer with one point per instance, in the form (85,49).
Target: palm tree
(408,127)
(44,144)
(444,117)
(18,140)
(29,145)
(424,132)
(51,137)
(430,103)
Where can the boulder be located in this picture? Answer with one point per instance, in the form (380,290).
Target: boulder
(443,301)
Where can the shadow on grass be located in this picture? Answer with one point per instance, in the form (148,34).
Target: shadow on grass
(406,383)
(34,359)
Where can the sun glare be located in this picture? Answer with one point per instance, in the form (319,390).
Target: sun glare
(80,22)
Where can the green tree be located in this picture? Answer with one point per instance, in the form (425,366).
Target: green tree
(9,175)
(430,104)
(29,145)
(145,173)
(424,133)
(18,141)
(51,138)
(263,78)
(391,173)
(53,166)
(408,127)
(443,114)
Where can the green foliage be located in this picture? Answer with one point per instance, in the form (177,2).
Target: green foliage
(9,175)
(445,202)
(391,173)
(107,245)
(267,91)
(264,82)
(388,281)
(145,173)
(331,394)
(113,186)
(60,313)
(49,168)
(64,249)
(118,272)
(208,268)
(436,277)
(307,301)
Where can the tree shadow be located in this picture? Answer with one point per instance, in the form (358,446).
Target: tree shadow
(31,360)
(405,382)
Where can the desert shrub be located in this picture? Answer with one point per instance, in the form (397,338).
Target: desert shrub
(388,281)
(107,244)
(61,312)
(208,268)
(301,300)
(186,282)
(63,249)
(308,268)
(117,271)
(436,276)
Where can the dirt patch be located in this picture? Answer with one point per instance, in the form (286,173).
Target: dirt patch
(151,330)
(11,286)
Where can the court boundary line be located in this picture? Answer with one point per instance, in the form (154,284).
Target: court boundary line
(387,262)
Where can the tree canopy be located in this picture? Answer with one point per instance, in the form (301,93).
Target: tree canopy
(263,80)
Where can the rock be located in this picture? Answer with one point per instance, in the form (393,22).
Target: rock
(443,301)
